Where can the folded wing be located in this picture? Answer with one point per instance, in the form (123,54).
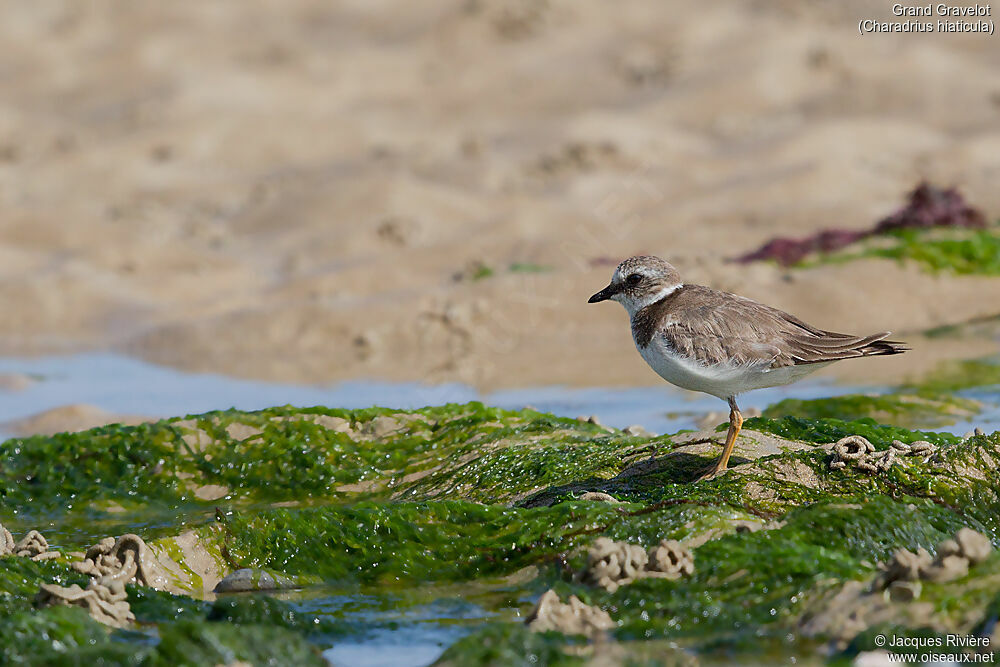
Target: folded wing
(716,327)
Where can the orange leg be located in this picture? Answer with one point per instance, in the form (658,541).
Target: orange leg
(735,424)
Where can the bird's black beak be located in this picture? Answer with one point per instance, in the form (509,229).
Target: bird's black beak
(604,294)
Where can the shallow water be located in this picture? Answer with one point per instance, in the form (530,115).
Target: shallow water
(406,627)
(409,627)
(128,386)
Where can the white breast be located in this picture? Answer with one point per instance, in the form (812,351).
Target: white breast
(722,380)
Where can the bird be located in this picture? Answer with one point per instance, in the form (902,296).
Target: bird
(722,344)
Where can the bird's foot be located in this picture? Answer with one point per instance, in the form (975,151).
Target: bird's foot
(711,472)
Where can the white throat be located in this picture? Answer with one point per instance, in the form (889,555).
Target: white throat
(633,306)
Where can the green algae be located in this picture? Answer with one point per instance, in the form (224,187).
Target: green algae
(896,409)
(19,576)
(188,642)
(984,326)
(65,635)
(68,636)
(152,606)
(288,457)
(971,252)
(476,271)
(509,472)
(957,251)
(460,494)
(512,644)
(176,554)
(931,402)
(255,610)
(830,429)
(253,628)
(528,267)
(748,589)
(957,375)
(370,543)
(758,582)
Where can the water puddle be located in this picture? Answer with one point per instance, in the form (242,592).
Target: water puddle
(411,627)
(125,386)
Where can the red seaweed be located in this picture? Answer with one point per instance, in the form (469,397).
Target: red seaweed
(928,206)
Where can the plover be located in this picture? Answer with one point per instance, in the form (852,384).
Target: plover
(705,340)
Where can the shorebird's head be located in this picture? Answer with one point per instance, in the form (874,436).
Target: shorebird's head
(639,282)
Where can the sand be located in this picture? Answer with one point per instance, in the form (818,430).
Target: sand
(302,190)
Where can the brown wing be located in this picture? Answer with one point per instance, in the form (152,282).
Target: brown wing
(713,327)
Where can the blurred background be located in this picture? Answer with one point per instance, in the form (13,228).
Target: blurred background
(307,193)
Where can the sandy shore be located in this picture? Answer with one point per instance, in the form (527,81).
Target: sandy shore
(303,192)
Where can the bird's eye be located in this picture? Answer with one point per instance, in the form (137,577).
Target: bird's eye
(633,279)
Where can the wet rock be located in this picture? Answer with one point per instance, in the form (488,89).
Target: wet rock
(240,431)
(639,432)
(193,436)
(381,427)
(903,591)
(337,424)
(252,579)
(572,618)
(600,497)
(793,471)
(750,445)
(211,492)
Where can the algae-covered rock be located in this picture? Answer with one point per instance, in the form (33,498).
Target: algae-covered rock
(191,643)
(910,409)
(382,511)
(251,579)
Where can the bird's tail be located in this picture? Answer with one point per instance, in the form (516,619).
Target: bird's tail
(881,346)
